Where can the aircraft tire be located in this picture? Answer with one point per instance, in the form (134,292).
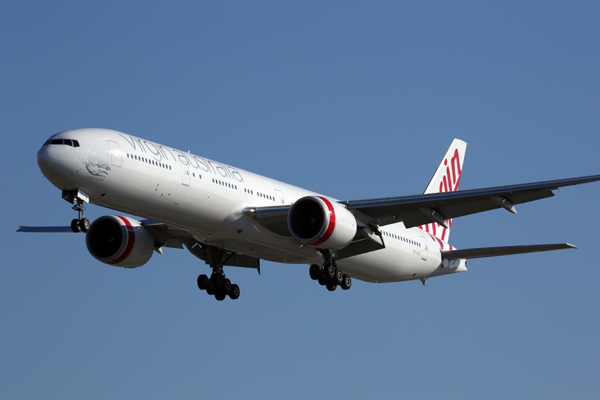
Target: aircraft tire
(346,282)
(210,290)
(84,225)
(235,292)
(329,271)
(202,282)
(314,271)
(75,226)
(226,286)
(331,287)
(220,296)
(339,277)
(322,280)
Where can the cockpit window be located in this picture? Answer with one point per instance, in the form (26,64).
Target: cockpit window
(68,142)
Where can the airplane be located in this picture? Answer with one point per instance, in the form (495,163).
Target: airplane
(226,216)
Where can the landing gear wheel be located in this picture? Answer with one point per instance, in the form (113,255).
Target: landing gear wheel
(220,296)
(329,271)
(322,280)
(226,286)
(210,290)
(84,224)
(202,282)
(331,287)
(339,277)
(75,226)
(234,293)
(314,272)
(346,283)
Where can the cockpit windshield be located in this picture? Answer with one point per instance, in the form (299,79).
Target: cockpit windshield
(68,142)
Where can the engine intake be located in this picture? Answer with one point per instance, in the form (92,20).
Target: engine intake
(119,241)
(319,222)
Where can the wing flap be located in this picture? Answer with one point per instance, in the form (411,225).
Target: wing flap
(273,218)
(503,251)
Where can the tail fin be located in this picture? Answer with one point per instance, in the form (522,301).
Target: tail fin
(446,179)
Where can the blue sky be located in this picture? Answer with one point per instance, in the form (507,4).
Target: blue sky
(352,99)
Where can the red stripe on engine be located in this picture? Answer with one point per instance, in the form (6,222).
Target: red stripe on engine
(331,225)
(130,241)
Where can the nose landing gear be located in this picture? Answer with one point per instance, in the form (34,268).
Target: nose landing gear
(78,197)
(81,224)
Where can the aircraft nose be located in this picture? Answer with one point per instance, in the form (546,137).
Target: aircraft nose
(46,160)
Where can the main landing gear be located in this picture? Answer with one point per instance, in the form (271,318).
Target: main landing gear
(330,276)
(217,285)
(80,224)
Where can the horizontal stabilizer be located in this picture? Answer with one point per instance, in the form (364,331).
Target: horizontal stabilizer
(502,251)
(45,229)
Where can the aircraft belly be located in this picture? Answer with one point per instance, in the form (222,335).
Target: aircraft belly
(270,253)
(392,264)
(243,234)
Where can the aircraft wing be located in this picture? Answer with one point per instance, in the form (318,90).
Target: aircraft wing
(440,207)
(170,236)
(426,208)
(502,251)
(165,236)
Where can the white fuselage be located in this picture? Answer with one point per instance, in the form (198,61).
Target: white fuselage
(206,198)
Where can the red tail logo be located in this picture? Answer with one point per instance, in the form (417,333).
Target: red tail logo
(448,183)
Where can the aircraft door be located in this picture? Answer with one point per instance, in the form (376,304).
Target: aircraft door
(279,195)
(115,153)
(185,170)
(424,250)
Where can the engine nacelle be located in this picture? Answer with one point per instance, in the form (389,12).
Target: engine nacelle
(119,241)
(318,222)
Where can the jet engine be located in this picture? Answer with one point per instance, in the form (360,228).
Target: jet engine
(119,241)
(319,222)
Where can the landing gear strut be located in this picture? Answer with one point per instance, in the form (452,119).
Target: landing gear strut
(329,275)
(80,224)
(217,285)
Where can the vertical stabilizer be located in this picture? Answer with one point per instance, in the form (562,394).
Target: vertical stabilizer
(446,179)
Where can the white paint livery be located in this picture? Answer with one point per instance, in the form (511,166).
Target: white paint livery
(230,217)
